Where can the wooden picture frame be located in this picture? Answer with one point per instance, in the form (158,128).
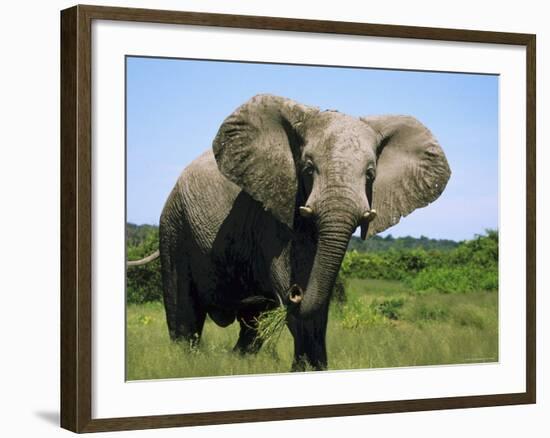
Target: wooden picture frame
(76,217)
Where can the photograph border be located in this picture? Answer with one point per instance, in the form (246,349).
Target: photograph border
(76,217)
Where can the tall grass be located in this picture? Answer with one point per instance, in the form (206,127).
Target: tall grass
(380,324)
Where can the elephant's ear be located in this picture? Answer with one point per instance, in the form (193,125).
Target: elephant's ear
(256,147)
(411,172)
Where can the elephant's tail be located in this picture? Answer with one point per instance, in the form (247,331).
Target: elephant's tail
(144,260)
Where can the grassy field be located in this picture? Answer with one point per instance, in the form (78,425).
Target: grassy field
(382,324)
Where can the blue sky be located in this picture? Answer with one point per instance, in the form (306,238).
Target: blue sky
(175,107)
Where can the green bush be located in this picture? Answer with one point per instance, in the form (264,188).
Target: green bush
(355,314)
(455,279)
(472,265)
(365,265)
(390,308)
(143,283)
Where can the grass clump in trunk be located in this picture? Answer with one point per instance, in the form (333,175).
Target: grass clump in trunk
(269,327)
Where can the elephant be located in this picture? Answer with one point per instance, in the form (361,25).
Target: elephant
(263,218)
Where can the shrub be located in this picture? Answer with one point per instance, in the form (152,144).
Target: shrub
(472,265)
(454,279)
(355,315)
(390,308)
(143,283)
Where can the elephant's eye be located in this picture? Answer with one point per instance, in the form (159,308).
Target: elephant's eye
(371,174)
(308,168)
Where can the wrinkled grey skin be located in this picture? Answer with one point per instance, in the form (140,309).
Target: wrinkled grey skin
(232,241)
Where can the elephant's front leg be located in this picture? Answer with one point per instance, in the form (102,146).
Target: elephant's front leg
(309,341)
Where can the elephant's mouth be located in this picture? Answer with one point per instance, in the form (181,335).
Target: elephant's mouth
(295,294)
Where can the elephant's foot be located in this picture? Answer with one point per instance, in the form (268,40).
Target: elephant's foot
(190,341)
(302,363)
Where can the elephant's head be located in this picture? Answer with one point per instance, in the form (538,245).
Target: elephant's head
(337,171)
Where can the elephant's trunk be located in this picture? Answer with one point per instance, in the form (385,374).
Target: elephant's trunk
(336,225)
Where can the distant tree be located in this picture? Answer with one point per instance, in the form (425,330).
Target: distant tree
(137,234)
(382,244)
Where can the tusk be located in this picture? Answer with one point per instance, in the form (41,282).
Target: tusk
(144,260)
(306,211)
(369,215)
(367,218)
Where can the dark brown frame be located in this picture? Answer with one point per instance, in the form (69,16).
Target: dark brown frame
(76,173)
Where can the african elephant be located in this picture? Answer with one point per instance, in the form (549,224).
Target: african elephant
(263,219)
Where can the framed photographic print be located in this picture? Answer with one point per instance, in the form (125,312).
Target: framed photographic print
(268,218)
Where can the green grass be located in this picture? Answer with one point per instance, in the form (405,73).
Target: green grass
(382,324)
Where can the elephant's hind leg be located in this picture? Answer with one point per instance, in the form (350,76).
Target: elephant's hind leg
(184,314)
(190,316)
